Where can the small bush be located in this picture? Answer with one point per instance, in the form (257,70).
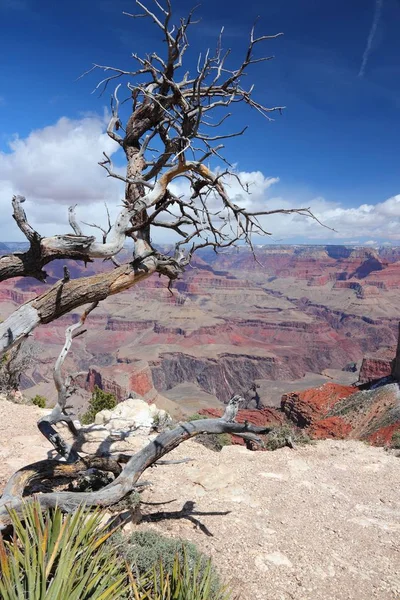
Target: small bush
(395,443)
(196,417)
(174,566)
(185,582)
(39,401)
(99,401)
(214,441)
(161,421)
(285,436)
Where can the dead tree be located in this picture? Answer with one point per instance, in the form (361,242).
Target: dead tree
(176,128)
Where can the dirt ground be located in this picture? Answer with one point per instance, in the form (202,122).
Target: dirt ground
(321,522)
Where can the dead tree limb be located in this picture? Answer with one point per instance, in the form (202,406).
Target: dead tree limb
(64,391)
(126,480)
(64,297)
(176,128)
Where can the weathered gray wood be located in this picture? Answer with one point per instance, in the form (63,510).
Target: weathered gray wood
(64,297)
(126,481)
(17,326)
(64,390)
(175,111)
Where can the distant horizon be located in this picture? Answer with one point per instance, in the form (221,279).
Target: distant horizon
(129,244)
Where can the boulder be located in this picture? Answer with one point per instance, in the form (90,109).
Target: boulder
(128,427)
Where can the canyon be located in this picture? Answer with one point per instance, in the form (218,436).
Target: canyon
(294,318)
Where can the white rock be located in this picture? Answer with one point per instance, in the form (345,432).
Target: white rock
(102,417)
(125,428)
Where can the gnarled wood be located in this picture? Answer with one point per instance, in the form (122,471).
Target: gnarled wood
(126,481)
(66,296)
(64,390)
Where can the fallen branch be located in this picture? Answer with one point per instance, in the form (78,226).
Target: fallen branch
(127,479)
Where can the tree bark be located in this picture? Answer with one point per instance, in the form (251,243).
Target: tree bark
(66,296)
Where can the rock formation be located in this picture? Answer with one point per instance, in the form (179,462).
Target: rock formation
(228,323)
(126,428)
(308,407)
(369,411)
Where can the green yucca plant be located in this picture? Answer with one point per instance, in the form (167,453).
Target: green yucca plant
(185,582)
(59,557)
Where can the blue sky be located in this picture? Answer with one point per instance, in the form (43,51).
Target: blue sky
(336,146)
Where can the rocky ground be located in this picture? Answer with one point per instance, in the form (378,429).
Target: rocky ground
(318,522)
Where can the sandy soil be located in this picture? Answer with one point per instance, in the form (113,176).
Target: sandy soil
(321,522)
(317,523)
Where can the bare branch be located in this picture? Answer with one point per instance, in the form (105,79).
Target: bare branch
(21,220)
(73,222)
(61,298)
(64,391)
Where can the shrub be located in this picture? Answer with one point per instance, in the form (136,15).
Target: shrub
(284,436)
(395,443)
(196,417)
(162,421)
(100,400)
(39,401)
(214,441)
(57,557)
(185,582)
(158,563)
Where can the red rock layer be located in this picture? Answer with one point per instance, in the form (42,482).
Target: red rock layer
(308,406)
(330,428)
(331,412)
(375,368)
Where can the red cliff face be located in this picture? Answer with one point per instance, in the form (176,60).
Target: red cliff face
(338,412)
(371,413)
(375,368)
(131,379)
(330,428)
(309,406)
(141,381)
(95,378)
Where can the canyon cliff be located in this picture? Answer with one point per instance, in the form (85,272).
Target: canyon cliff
(294,319)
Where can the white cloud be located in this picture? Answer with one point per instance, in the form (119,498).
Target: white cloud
(57,166)
(372,222)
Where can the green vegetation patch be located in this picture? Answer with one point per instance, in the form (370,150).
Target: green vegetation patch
(99,401)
